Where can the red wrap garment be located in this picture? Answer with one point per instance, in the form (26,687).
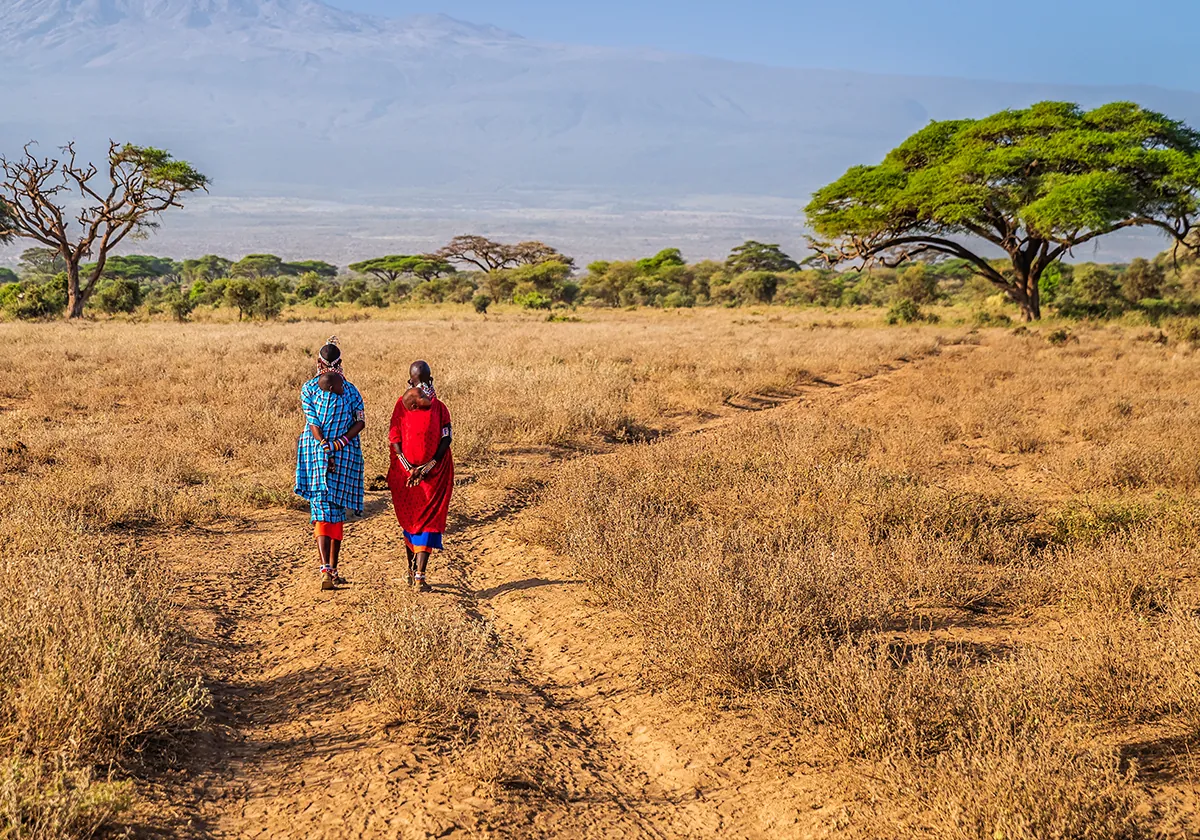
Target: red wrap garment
(421,509)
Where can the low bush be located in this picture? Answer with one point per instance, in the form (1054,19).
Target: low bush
(432,664)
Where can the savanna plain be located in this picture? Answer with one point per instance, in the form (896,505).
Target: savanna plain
(758,573)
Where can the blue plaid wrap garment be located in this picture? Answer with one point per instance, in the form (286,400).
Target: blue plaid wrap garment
(330,495)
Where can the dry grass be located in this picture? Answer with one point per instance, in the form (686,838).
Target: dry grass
(431,662)
(758,549)
(48,799)
(827,558)
(88,674)
(159,423)
(977,576)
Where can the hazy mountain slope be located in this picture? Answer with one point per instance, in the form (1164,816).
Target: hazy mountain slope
(295,98)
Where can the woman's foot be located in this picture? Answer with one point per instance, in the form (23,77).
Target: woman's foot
(422,586)
(327,579)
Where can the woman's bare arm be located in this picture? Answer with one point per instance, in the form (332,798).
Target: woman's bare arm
(317,433)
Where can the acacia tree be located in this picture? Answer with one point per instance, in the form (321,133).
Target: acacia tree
(40,262)
(207,268)
(254,266)
(392,267)
(142,182)
(538,253)
(7,222)
(489,256)
(1034,183)
(756,256)
(479,251)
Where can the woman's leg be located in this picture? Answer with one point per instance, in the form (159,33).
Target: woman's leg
(412,564)
(335,550)
(329,545)
(422,560)
(324,549)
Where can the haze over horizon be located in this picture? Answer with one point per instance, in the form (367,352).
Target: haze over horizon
(334,135)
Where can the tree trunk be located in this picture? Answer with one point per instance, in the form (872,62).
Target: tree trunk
(75,299)
(1031,310)
(1026,294)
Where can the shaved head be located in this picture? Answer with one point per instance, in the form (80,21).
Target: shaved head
(419,372)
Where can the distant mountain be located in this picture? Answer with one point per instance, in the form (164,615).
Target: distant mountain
(293,98)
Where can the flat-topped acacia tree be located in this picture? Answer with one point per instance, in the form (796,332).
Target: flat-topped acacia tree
(392,267)
(1034,183)
(77,213)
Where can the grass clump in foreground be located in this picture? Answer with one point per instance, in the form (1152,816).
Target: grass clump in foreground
(50,799)
(820,561)
(89,674)
(435,668)
(431,662)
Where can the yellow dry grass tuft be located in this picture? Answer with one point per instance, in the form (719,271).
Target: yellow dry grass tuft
(431,662)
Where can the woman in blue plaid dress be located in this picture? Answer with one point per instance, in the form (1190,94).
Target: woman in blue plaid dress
(329,460)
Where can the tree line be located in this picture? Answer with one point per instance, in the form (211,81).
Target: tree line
(1033,184)
(536,276)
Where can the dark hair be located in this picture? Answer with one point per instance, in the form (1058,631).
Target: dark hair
(331,353)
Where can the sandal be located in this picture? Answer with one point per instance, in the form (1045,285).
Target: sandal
(327,579)
(422,586)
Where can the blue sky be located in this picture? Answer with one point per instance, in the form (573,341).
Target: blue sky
(1080,41)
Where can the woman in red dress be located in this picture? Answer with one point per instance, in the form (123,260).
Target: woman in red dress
(421,476)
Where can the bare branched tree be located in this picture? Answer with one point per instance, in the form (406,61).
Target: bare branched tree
(478,251)
(140,184)
(489,256)
(536,253)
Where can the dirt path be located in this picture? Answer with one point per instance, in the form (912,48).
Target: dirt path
(300,749)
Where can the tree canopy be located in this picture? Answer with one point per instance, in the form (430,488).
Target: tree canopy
(45,262)
(138,267)
(254,266)
(1034,183)
(755,256)
(394,266)
(489,256)
(317,267)
(8,222)
(208,267)
(663,259)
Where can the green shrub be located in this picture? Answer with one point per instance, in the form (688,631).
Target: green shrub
(269,301)
(531,299)
(31,301)
(180,306)
(758,286)
(375,298)
(119,295)
(1183,330)
(904,311)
